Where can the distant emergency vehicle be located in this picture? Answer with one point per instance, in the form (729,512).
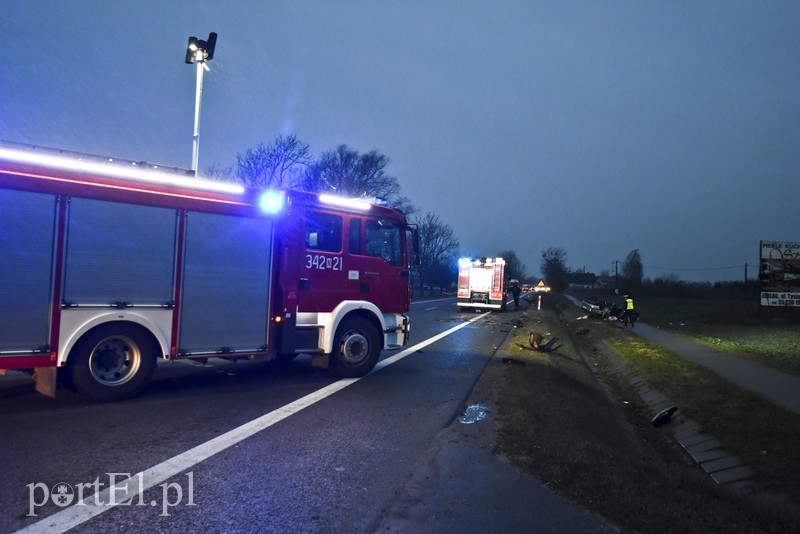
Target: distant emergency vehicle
(480,283)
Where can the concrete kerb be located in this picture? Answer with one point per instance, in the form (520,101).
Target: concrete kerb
(704,449)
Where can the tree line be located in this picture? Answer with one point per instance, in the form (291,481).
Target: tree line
(555,270)
(287,162)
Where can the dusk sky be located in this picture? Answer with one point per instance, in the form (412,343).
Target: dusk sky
(672,127)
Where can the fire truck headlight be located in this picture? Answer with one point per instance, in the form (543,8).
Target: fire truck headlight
(271,202)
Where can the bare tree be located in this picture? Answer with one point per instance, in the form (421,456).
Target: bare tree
(438,251)
(404,205)
(632,269)
(514,267)
(349,173)
(554,268)
(216,171)
(280,164)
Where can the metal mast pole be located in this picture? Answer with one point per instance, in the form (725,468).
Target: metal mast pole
(197,98)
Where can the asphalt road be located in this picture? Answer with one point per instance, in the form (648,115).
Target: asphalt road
(240,446)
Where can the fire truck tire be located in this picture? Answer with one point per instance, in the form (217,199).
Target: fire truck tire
(113,361)
(356,348)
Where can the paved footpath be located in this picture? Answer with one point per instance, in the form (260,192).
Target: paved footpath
(780,388)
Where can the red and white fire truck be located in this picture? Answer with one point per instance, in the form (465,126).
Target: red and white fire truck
(480,283)
(107,266)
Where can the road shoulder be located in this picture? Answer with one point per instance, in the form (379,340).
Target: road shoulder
(462,473)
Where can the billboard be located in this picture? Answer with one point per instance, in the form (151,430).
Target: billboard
(779,273)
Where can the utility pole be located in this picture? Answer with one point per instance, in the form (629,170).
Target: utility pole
(744,290)
(198,52)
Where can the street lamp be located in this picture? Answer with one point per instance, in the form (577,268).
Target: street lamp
(198,52)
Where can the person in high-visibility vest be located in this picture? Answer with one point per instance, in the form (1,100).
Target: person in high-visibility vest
(629,315)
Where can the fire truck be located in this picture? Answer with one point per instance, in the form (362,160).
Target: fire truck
(108,266)
(480,283)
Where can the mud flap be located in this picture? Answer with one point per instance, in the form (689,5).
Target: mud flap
(45,379)
(320,360)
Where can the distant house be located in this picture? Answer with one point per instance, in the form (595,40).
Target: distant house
(580,279)
(605,281)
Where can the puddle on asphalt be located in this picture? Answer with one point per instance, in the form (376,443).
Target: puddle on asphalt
(473,414)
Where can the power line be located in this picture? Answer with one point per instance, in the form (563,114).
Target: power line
(741,266)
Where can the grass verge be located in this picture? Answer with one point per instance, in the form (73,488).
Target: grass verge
(769,337)
(569,422)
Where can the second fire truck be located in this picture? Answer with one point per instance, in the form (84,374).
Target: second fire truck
(480,283)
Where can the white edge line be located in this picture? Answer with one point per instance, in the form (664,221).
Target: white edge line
(130,488)
(429,300)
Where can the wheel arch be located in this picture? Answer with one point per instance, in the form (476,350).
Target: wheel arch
(347,309)
(146,325)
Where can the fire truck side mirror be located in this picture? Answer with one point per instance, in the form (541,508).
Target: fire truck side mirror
(414,258)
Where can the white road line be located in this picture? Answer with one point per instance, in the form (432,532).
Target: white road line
(428,301)
(130,488)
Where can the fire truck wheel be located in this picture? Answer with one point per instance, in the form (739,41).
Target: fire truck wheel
(113,361)
(356,348)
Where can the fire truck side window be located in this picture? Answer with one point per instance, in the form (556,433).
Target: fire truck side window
(384,241)
(324,232)
(355,236)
